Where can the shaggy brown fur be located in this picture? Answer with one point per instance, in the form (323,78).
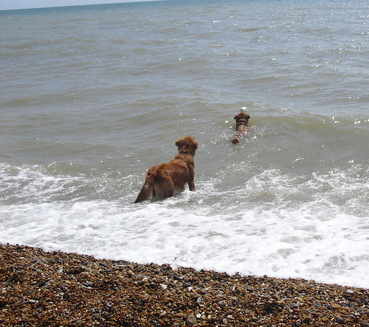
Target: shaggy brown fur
(242,121)
(167,179)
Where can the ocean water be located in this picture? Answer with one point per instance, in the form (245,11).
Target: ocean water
(90,97)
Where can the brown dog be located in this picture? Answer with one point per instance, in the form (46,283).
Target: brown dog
(242,121)
(167,179)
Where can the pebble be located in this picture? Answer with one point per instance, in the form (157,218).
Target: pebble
(39,288)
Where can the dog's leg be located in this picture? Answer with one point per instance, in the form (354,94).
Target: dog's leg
(163,188)
(146,191)
(191,183)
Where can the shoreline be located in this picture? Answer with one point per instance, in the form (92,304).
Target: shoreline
(39,288)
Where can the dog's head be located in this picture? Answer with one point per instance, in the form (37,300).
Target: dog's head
(187,145)
(242,118)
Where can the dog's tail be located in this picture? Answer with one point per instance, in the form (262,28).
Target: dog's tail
(158,185)
(146,192)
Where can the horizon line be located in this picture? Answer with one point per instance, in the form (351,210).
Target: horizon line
(80,5)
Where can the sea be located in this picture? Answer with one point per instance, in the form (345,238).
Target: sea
(92,96)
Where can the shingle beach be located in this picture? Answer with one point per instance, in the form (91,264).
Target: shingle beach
(39,288)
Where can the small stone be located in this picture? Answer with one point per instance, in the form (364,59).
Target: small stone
(339,320)
(191,319)
(271,307)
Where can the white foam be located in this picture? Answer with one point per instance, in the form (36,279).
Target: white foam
(282,233)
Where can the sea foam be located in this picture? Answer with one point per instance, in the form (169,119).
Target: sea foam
(287,234)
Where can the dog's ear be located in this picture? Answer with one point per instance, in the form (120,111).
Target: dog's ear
(242,115)
(194,144)
(191,142)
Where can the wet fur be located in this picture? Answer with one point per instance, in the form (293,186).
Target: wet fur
(242,121)
(167,179)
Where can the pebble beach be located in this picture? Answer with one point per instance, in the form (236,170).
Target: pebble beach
(39,288)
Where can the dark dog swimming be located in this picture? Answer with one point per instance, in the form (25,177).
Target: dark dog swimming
(242,128)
